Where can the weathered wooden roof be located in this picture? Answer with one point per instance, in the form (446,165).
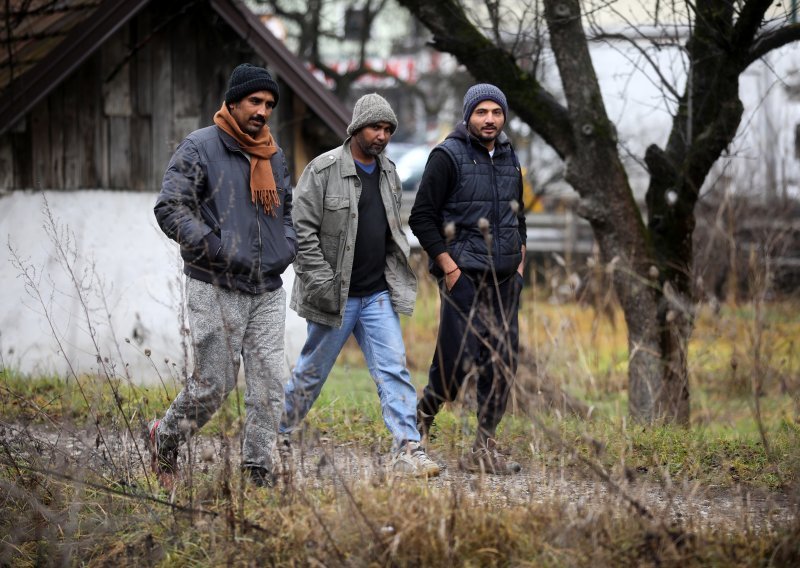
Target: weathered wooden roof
(30,29)
(43,41)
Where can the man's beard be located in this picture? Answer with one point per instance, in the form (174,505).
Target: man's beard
(373,149)
(483,137)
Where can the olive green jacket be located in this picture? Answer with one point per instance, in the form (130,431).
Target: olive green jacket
(325,217)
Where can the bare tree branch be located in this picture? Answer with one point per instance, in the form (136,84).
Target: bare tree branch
(664,81)
(769,41)
(653,263)
(749,22)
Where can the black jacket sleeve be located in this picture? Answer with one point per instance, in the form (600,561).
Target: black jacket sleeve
(178,204)
(425,220)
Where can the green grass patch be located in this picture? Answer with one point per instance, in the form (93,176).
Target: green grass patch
(722,449)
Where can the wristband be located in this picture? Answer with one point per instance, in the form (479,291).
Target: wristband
(449,273)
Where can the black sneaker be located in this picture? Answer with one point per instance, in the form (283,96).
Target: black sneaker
(424,424)
(261,477)
(489,459)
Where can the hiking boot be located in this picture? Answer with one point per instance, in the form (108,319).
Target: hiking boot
(488,459)
(164,463)
(260,476)
(285,448)
(412,460)
(287,458)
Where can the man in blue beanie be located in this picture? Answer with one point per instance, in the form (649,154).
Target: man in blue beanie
(468,217)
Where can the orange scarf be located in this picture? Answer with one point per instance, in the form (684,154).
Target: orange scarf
(260,149)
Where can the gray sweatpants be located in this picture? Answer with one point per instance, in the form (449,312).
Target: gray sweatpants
(224,325)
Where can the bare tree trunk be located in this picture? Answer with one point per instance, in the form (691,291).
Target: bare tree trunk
(595,171)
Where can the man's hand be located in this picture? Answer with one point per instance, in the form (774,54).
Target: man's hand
(450,279)
(451,270)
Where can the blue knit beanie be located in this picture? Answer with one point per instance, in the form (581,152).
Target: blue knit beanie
(476,94)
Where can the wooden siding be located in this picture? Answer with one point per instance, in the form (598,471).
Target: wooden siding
(115,122)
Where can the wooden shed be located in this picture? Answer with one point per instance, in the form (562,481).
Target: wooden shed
(97,93)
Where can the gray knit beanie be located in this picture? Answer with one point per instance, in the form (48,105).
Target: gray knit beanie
(476,94)
(247,79)
(371,109)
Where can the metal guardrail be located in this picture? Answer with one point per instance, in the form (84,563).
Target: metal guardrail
(561,233)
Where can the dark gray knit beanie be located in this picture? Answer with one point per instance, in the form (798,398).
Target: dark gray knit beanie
(247,79)
(476,94)
(371,109)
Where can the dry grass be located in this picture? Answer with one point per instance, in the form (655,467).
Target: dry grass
(330,517)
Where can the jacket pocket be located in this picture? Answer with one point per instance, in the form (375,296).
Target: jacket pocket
(326,296)
(335,215)
(200,253)
(331,247)
(232,256)
(208,216)
(402,282)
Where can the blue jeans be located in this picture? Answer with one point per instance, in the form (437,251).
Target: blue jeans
(376,327)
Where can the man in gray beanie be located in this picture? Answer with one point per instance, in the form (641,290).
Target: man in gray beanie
(353,277)
(468,217)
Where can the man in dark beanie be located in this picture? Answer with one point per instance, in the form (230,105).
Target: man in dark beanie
(246,79)
(468,217)
(353,277)
(226,199)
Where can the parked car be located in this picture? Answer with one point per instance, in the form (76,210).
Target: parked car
(410,160)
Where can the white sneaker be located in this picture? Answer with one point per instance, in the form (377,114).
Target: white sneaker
(413,461)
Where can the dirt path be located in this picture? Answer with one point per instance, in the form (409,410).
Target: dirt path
(323,464)
(724,508)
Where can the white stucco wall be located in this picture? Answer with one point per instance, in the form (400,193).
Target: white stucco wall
(131,282)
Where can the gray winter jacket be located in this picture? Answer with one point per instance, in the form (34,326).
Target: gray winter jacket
(325,216)
(205,205)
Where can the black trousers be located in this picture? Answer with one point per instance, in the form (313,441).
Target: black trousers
(478,338)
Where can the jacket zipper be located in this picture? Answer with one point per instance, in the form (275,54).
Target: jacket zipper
(258,224)
(260,243)
(495,221)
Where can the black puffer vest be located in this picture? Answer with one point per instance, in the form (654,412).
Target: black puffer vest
(486,187)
